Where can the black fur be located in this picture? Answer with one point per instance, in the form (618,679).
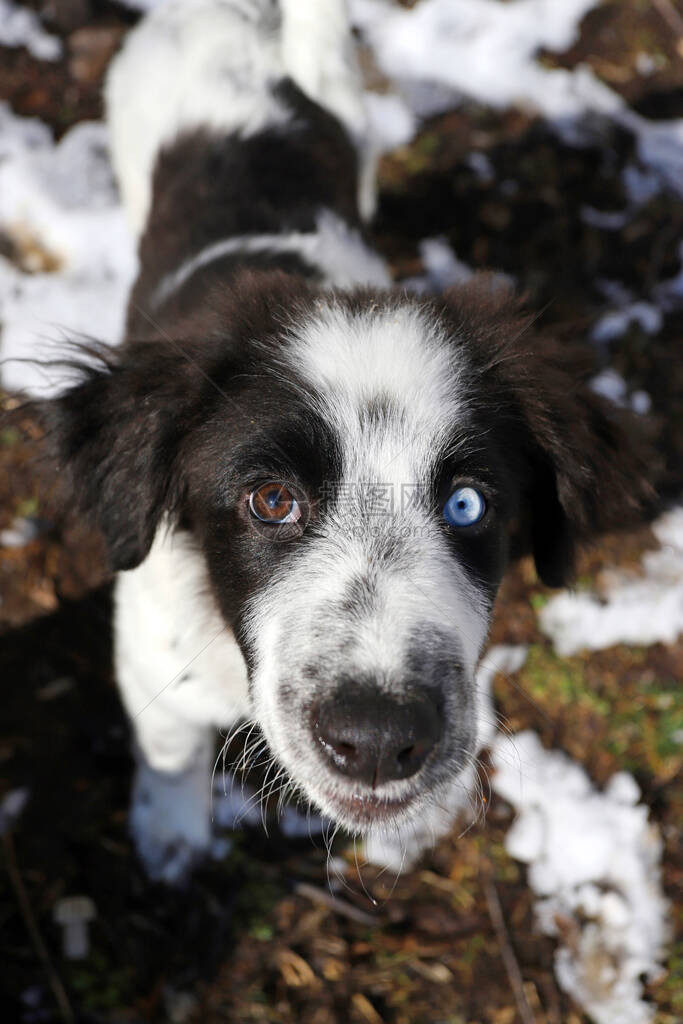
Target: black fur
(158,428)
(209,187)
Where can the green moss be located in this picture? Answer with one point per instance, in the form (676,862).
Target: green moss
(562,681)
(632,711)
(669,992)
(9,436)
(27,507)
(99,984)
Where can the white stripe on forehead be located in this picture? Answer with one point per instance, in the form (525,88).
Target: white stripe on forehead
(399,356)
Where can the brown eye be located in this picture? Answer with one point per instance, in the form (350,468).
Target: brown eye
(274,503)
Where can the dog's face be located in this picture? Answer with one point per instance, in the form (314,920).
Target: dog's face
(356,470)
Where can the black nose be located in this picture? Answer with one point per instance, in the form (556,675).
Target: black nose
(371,737)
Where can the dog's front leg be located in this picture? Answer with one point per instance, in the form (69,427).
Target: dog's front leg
(181,675)
(170,809)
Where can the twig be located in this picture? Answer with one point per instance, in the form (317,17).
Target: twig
(61,998)
(506,951)
(316,895)
(670,15)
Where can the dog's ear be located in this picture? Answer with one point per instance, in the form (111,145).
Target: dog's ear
(113,438)
(586,475)
(584,467)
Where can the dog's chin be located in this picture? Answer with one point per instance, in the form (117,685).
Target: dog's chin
(364,811)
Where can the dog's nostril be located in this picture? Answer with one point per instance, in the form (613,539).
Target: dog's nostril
(370,736)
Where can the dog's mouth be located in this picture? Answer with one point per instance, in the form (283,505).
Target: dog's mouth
(365,810)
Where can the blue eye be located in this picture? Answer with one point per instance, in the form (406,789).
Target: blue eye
(465,507)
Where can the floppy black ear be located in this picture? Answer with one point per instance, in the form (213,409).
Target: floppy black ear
(114,439)
(587,475)
(585,465)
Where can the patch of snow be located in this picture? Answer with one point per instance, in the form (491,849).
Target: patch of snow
(20,134)
(615,323)
(20,26)
(669,294)
(641,185)
(482,167)
(391,122)
(665,297)
(488,50)
(646,65)
(443,269)
(482,48)
(11,807)
(294,824)
(236,807)
(23,530)
(633,609)
(612,385)
(641,402)
(606,220)
(59,206)
(427,99)
(659,145)
(442,266)
(594,863)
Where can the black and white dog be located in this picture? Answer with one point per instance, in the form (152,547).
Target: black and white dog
(311,484)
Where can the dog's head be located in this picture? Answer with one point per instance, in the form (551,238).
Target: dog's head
(357,470)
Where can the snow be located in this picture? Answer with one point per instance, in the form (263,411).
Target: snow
(612,385)
(11,807)
(23,530)
(488,50)
(443,269)
(669,294)
(391,122)
(616,322)
(594,865)
(21,27)
(639,609)
(75,259)
(481,48)
(235,807)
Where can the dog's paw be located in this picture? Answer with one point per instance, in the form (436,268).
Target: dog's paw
(169,822)
(170,861)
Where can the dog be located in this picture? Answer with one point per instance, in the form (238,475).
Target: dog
(310,484)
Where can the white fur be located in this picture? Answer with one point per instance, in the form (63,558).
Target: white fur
(167,627)
(212,64)
(337,251)
(190,64)
(318,52)
(350,359)
(399,354)
(170,812)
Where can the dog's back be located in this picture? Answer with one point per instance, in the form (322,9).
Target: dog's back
(224,161)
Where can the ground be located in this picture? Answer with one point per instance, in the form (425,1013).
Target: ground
(258,936)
